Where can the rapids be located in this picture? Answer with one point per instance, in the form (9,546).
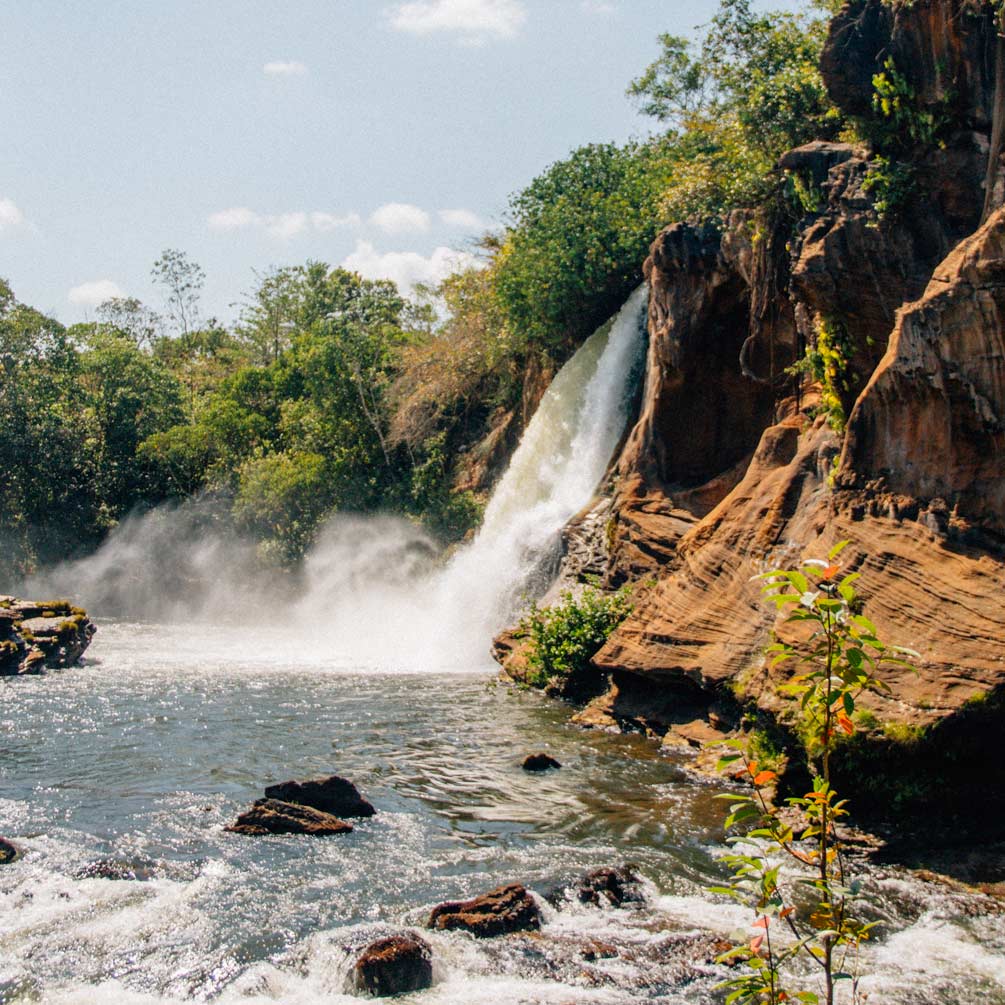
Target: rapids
(144,754)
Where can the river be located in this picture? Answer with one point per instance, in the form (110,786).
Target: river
(143,755)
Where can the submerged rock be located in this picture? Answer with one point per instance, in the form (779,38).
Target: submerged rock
(614,887)
(272,816)
(540,762)
(393,966)
(334,795)
(118,869)
(8,851)
(498,912)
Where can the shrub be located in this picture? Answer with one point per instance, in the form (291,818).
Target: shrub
(837,663)
(565,637)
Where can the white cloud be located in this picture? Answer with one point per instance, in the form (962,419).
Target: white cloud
(407,268)
(94,293)
(462,218)
(286,225)
(234,219)
(473,21)
(10,216)
(328,221)
(400,218)
(605,8)
(284,68)
(283,226)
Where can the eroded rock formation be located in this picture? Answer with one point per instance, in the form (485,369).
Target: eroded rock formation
(732,470)
(498,912)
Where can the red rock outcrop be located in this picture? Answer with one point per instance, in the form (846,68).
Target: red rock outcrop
(731,472)
(947,47)
(931,422)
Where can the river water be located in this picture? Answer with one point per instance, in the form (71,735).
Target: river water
(143,755)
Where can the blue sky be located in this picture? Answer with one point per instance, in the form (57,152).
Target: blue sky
(380,135)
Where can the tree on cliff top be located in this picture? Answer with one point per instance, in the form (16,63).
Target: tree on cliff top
(734,101)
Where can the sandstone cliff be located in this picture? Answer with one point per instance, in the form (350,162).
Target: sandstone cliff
(732,470)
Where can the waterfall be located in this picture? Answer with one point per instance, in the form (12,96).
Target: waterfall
(555,471)
(373,594)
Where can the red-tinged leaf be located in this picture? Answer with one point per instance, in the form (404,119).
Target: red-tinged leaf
(763,777)
(756,943)
(830,572)
(761,922)
(846,724)
(786,912)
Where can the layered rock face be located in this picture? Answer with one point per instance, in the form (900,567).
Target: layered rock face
(731,471)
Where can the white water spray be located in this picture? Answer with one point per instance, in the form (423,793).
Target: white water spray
(372,595)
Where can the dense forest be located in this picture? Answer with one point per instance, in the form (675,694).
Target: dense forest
(333,392)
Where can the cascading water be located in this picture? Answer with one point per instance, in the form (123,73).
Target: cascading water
(372,594)
(556,469)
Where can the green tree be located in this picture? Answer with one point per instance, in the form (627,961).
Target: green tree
(576,241)
(131,318)
(272,312)
(182,280)
(128,396)
(48,506)
(748,90)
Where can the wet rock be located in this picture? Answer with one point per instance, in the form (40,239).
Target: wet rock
(503,910)
(39,634)
(595,950)
(540,762)
(610,887)
(393,966)
(334,795)
(118,869)
(8,851)
(272,816)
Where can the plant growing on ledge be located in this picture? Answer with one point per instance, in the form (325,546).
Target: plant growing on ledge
(840,660)
(565,637)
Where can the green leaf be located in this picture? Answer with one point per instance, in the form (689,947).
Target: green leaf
(837,549)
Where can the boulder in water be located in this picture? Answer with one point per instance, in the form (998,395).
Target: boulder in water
(540,762)
(119,869)
(8,851)
(39,634)
(334,795)
(393,966)
(272,816)
(610,887)
(499,912)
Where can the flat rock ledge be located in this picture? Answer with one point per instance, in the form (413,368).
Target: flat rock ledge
(36,635)
(315,806)
(499,912)
(272,816)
